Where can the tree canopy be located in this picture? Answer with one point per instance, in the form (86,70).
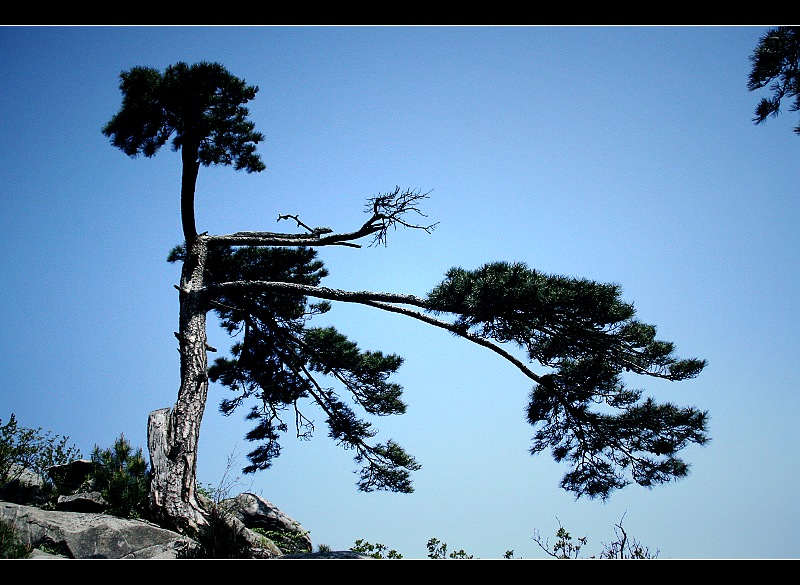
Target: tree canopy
(581,331)
(588,338)
(201,107)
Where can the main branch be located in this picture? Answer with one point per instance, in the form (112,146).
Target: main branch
(380,300)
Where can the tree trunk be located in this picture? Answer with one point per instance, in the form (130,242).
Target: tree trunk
(190,166)
(173,434)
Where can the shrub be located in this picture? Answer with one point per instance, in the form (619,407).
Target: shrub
(438,550)
(290,542)
(565,547)
(622,548)
(31,449)
(121,475)
(376,551)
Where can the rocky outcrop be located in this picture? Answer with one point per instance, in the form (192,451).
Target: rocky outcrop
(76,527)
(54,534)
(85,535)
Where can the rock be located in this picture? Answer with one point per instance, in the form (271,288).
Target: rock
(330,554)
(71,476)
(82,502)
(81,535)
(24,487)
(261,547)
(77,528)
(40,555)
(256,512)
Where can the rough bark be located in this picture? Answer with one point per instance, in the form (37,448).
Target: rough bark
(173,434)
(158,445)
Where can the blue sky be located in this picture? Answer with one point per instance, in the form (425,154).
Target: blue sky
(621,154)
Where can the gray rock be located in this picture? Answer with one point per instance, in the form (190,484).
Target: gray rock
(23,486)
(256,512)
(71,476)
(328,555)
(77,529)
(80,535)
(83,502)
(25,476)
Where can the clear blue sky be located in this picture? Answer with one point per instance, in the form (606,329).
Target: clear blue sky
(621,154)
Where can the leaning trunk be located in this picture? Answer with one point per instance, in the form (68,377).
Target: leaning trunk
(173,434)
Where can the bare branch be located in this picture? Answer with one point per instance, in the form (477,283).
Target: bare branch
(386,211)
(313,231)
(460,331)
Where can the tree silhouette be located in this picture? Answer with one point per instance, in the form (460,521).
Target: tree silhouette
(581,333)
(776,60)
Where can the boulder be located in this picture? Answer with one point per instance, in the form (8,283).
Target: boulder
(256,512)
(23,486)
(71,476)
(82,502)
(82,535)
(76,528)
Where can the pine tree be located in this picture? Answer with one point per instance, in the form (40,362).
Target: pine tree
(579,332)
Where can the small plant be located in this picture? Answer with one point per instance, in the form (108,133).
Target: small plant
(290,542)
(376,551)
(564,548)
(438,550)
(122,477)
(622,548)
(11,547)
(208,491)
(222,537)
(30,449)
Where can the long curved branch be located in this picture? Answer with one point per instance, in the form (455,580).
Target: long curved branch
(320,292)
(390,302)
(379,300)
(460,331)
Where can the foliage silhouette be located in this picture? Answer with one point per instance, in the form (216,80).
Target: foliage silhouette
(776,61)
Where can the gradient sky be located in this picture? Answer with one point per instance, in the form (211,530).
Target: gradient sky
(621,154)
